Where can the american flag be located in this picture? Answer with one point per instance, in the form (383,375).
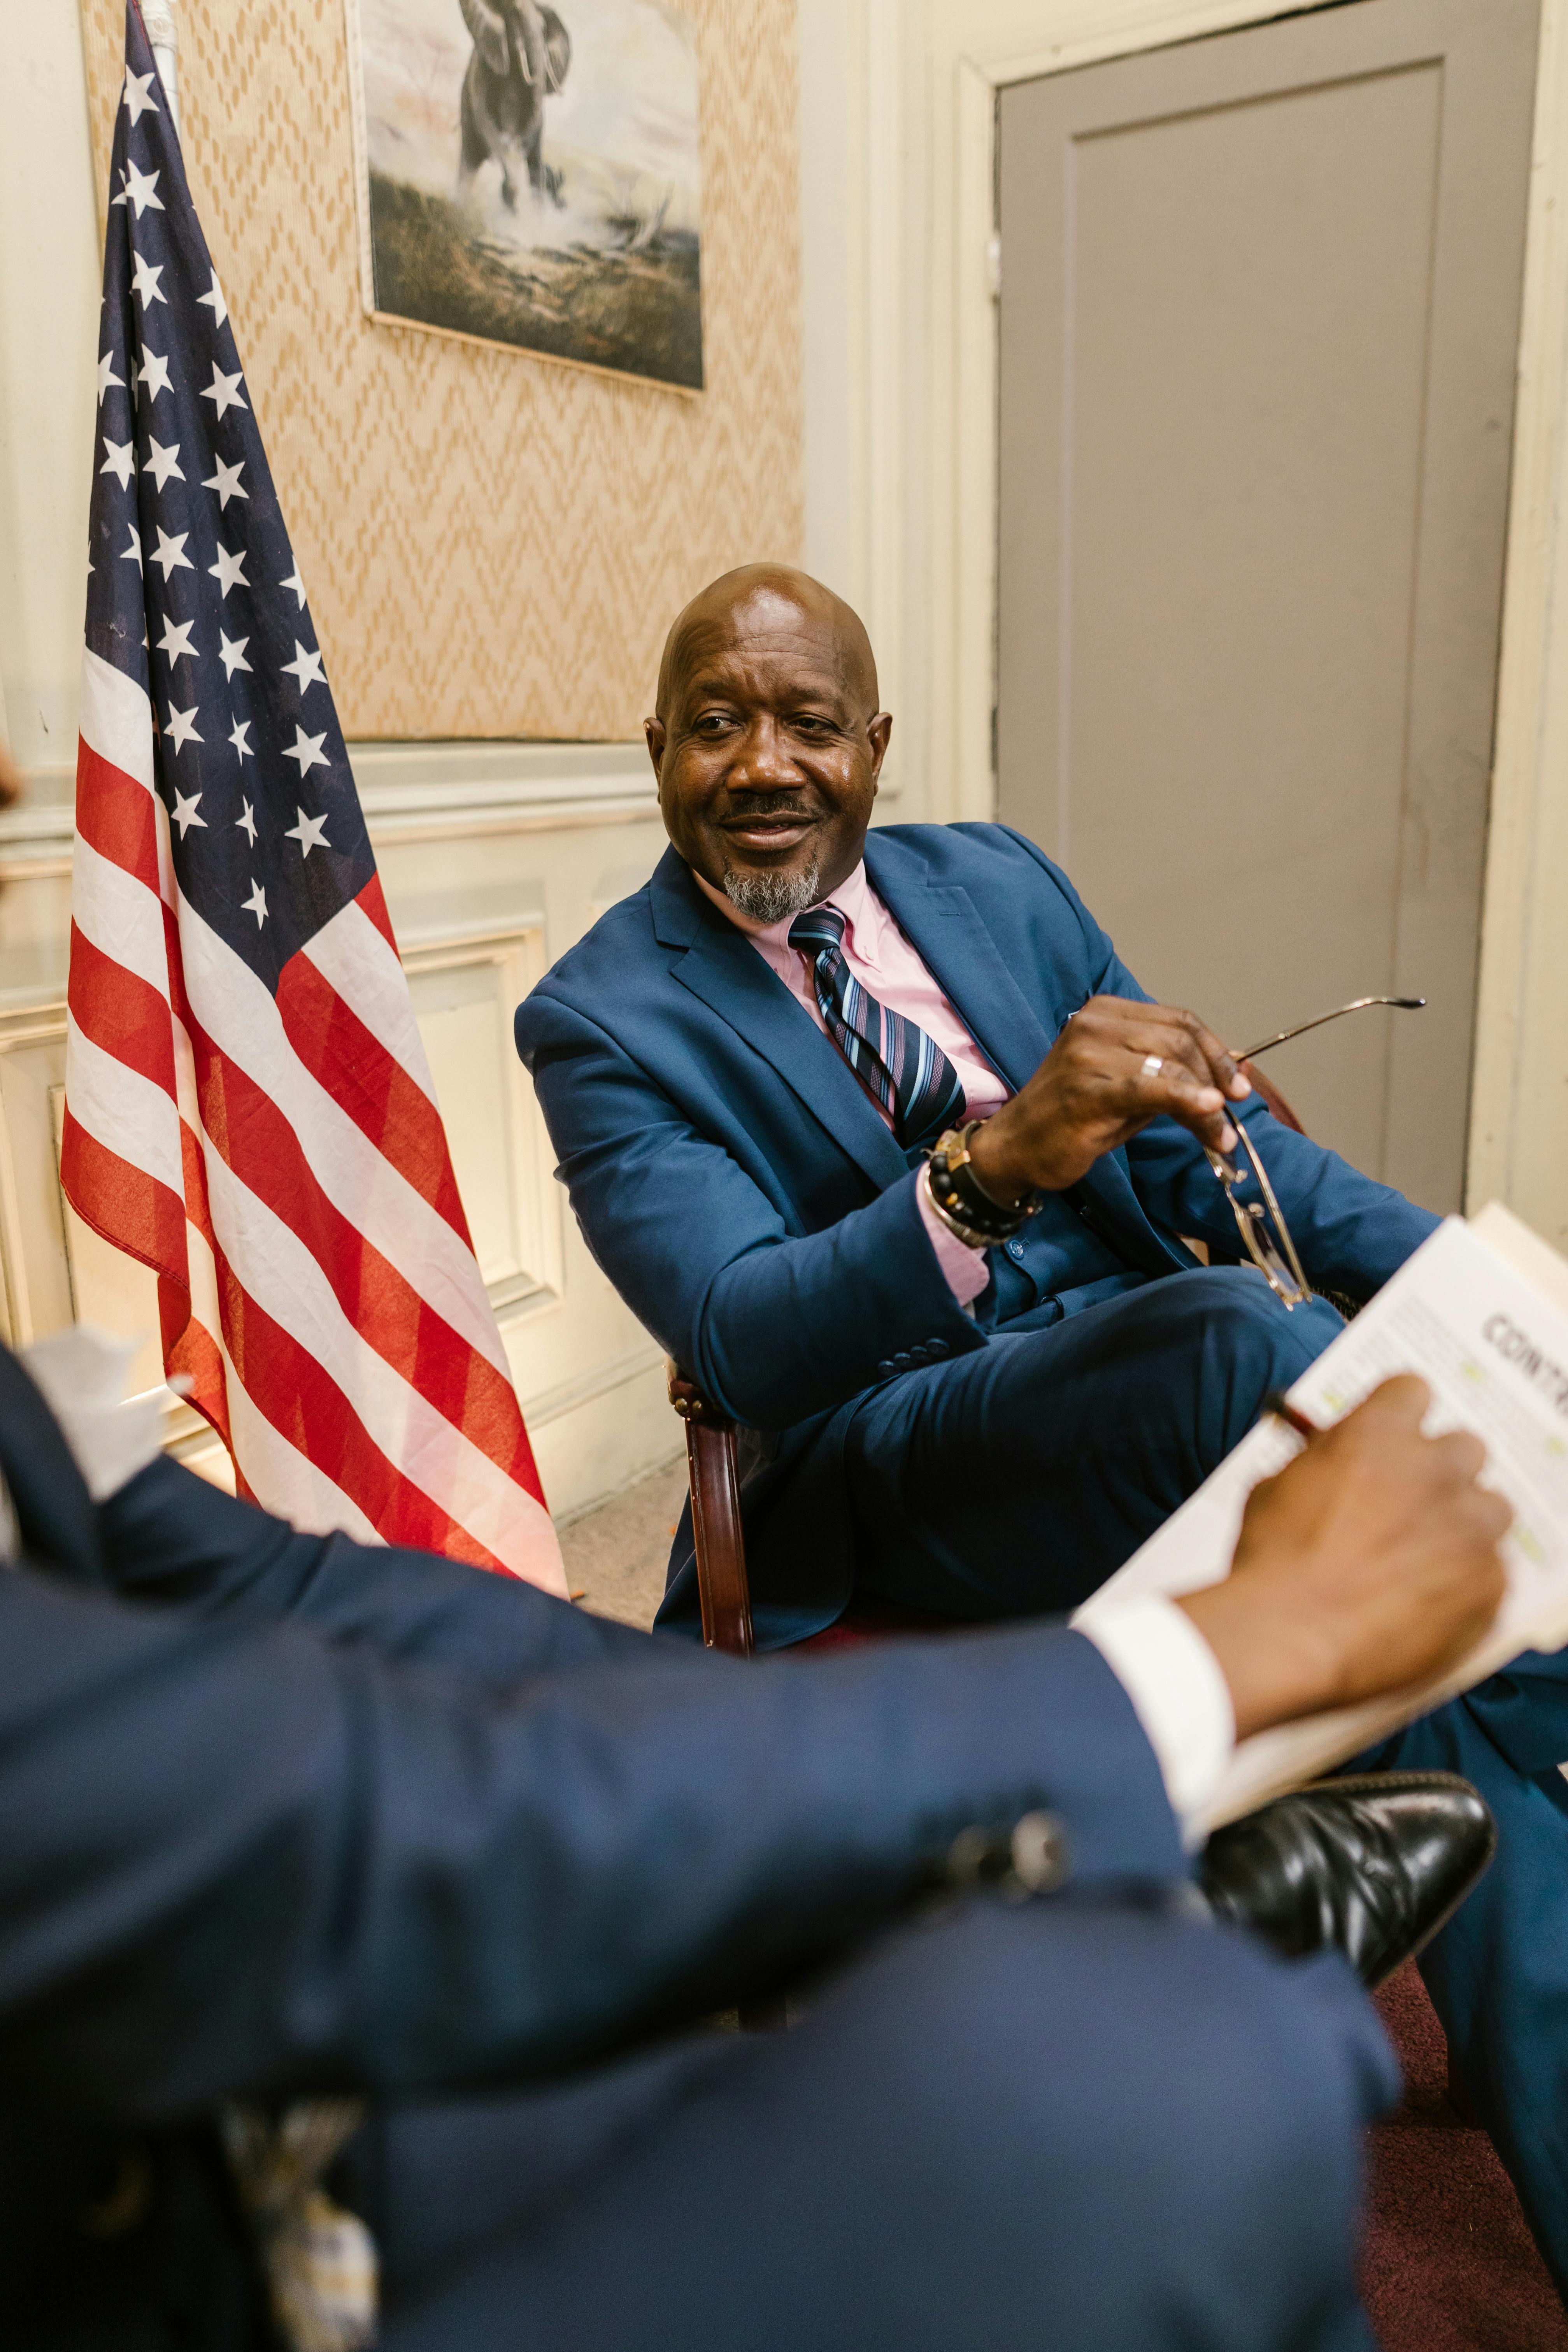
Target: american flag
(248,1107)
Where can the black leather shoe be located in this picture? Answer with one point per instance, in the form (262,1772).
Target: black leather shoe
(1374,1865)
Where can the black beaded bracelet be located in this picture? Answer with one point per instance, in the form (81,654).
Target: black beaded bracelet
(959,1194)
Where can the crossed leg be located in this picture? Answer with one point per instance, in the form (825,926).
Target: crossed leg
(1012,1482)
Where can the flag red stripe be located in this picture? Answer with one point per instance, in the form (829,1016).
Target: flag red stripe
(305,1405)
(354,1065)
(372,899)
(189,1348)
(123,1202)
(117,816)
(120,1012)
(244,1124)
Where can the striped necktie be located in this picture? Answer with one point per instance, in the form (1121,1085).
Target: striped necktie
(898,1065)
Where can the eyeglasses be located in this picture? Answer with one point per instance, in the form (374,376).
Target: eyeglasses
(1261,1223)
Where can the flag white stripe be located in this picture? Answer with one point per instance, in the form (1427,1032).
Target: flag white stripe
(120,915)
(299,1490)
(354,960)
(130,1115)
(116,717)
(281,1275)
(241,1017)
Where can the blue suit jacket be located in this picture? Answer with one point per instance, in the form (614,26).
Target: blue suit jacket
(743,1195)
(281,1811)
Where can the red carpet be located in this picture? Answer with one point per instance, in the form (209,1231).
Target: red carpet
(1450,2266)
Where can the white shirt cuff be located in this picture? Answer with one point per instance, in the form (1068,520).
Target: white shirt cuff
(1177,1690)
(81,1372)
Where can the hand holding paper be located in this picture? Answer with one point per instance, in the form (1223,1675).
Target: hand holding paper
(1368,1564)
(1481,1315)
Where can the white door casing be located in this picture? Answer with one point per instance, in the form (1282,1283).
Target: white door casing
(916,115)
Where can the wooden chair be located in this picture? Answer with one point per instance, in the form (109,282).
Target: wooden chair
(716,1530)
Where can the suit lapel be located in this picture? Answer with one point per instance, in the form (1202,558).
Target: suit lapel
(941,921)
(720,966)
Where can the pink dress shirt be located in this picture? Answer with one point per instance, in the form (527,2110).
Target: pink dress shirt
(883,961)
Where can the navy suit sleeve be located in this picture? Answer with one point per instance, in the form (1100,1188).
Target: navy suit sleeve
(169,1536)
(773,1326)
(241,1860)
(1352,1232)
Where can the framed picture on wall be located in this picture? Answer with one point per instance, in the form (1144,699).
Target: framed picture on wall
(530,175)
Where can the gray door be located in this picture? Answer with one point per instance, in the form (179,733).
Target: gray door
(1259,314)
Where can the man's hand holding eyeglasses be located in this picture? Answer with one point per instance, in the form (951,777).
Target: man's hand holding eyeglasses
(1116,1066)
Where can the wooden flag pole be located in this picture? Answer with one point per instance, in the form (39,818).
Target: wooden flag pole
(164,34)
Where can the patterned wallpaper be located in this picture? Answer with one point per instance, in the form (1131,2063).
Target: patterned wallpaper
(494,544)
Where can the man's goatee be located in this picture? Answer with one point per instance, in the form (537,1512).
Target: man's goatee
(769,898)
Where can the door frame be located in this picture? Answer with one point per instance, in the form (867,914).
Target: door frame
(921,79)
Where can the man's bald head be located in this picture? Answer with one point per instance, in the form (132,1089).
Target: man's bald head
(766,738)
(752,599)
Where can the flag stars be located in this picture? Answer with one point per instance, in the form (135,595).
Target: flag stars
(216,304)
(152,371)
(310,832)
(133,554)
(224,391)
(230,573)
(121,461)
(184,811)
(176,640)
(140,188)
(162,463)
(180,726)
(106,375)
(307,750)
(137,102)
(306,667)
(170,553)
(226,482)
(247,825)
(231,652)
(239,737)
(257,903)
(145,282)
(297,585)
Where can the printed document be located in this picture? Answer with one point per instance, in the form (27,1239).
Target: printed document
(1481,1312)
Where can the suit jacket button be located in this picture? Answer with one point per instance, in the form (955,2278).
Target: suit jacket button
(885,1369)
(1015,1249)
(936,1349)
(901,1363)
(1041,1853)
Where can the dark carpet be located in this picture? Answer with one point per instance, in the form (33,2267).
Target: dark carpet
(1450,2264)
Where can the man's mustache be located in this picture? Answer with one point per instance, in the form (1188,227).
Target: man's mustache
(745,805)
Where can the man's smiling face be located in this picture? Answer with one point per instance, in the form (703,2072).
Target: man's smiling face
(768,741)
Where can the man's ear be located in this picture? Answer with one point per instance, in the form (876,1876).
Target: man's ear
(653,735)
(879,730)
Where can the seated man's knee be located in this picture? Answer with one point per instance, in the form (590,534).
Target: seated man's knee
(1248,1340)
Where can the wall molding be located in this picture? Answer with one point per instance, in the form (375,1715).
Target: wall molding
(409,792)
(552,1403)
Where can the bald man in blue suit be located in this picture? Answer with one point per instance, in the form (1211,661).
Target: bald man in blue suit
(980,1448)
(982,1427)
